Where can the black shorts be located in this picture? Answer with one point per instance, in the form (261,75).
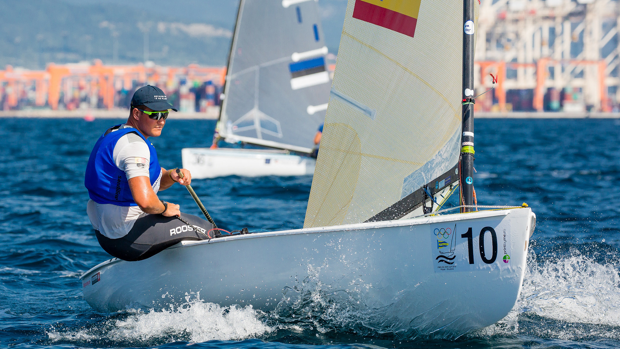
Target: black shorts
(152,234)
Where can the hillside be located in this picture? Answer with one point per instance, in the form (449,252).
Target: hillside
(179,32)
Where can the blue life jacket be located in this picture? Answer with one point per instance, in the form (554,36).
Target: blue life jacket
(106,183)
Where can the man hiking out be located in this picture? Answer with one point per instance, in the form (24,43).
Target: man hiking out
(123,177)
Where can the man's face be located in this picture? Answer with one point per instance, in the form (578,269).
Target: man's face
(148,126)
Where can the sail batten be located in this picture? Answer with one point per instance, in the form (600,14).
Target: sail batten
(409,80)
(277,81)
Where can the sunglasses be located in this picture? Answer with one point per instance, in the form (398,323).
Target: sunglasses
(156,115)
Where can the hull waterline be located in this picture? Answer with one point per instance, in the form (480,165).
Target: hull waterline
(393,270)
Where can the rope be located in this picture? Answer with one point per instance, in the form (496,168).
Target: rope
(216,229)
(449,194)
(475,198)
(461,199)
(483,93)
(494,82)
(193,227)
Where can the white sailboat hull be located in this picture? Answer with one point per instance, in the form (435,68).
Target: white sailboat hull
(212,163)
(390,268)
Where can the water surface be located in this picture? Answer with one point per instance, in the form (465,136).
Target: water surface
(566,170)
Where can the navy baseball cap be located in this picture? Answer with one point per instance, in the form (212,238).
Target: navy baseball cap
(152,97)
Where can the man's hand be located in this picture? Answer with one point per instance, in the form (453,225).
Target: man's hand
(169,177)
(181,176)
(173,210)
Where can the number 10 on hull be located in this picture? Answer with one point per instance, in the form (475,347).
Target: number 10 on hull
(471,245)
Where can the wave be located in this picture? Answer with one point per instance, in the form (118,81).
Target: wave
(194,322)
(575,298)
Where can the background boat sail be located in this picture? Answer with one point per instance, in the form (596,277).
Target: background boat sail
(276,92)
(436,275)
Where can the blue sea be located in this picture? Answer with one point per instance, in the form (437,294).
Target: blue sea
(566,170)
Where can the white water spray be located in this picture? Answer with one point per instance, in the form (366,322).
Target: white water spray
(199,321)
(574,297)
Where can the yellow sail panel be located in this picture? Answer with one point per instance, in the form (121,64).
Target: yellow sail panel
(394,118)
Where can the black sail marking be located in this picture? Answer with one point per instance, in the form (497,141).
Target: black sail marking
(413,200)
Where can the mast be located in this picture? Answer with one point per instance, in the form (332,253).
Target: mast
(467,139)
(230,53)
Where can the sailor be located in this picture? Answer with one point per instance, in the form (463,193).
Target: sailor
(123,177)
(317,141)
(216,136)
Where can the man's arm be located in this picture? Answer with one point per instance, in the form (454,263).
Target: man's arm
(317,137)
(132,156)
(147,200)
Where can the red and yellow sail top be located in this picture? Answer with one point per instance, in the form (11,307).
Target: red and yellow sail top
(398,15)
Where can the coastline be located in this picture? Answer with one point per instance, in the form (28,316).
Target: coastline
(546,115)
(212,113)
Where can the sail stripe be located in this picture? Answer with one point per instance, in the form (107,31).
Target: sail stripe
(309,80)
(406,7)
(415,199)
(307,64)
(315,108)
(308,72)
(297,56)
(287,3)
(397,17)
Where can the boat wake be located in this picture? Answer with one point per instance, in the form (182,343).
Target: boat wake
(573,298)
(194,322)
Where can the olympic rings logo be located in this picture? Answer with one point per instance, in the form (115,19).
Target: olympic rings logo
(444,233)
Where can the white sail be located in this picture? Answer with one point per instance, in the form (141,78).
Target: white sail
(277,84)
(392,130)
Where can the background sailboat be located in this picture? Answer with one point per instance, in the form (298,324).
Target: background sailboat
(438,274)
(276,93)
